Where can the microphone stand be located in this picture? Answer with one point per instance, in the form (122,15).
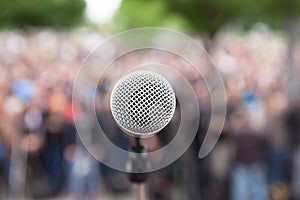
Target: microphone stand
(140,191)
(137,164)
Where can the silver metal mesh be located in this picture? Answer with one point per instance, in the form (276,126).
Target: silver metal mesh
(142,103)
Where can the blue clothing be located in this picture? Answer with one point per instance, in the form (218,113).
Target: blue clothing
(249,182)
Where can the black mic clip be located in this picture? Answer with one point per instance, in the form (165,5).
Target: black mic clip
(138,163)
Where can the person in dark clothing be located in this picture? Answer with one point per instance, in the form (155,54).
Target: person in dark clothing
(52,153)
(249,178)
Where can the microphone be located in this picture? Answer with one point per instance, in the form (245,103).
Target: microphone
(142,103)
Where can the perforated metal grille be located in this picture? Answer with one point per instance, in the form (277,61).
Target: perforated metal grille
(142,103)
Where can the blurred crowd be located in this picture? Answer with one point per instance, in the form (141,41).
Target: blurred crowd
(257,156)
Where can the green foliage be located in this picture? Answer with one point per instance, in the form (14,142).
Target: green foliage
(142,13)
(205,15)
(276,13)
(57,13)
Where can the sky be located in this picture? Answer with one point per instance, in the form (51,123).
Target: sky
(101,11)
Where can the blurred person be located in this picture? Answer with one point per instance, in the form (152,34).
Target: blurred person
(4,167)
(279,163)
(220,164)
(83,169)
(32,143)
(54,108)
(196,171)
(292,123)
(292,119)
(11,132)
(253,104)
(160,183)
(52,152)
(4,157)
(295,182)
(117,182)
(83,180)
(249,175)
(279,157)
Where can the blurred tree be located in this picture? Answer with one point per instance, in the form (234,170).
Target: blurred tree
(206,16)
(57,13)
(142,13)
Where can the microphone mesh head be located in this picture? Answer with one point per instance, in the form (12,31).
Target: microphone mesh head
(142,103)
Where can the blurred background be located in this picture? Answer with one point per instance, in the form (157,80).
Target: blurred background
(255,45)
